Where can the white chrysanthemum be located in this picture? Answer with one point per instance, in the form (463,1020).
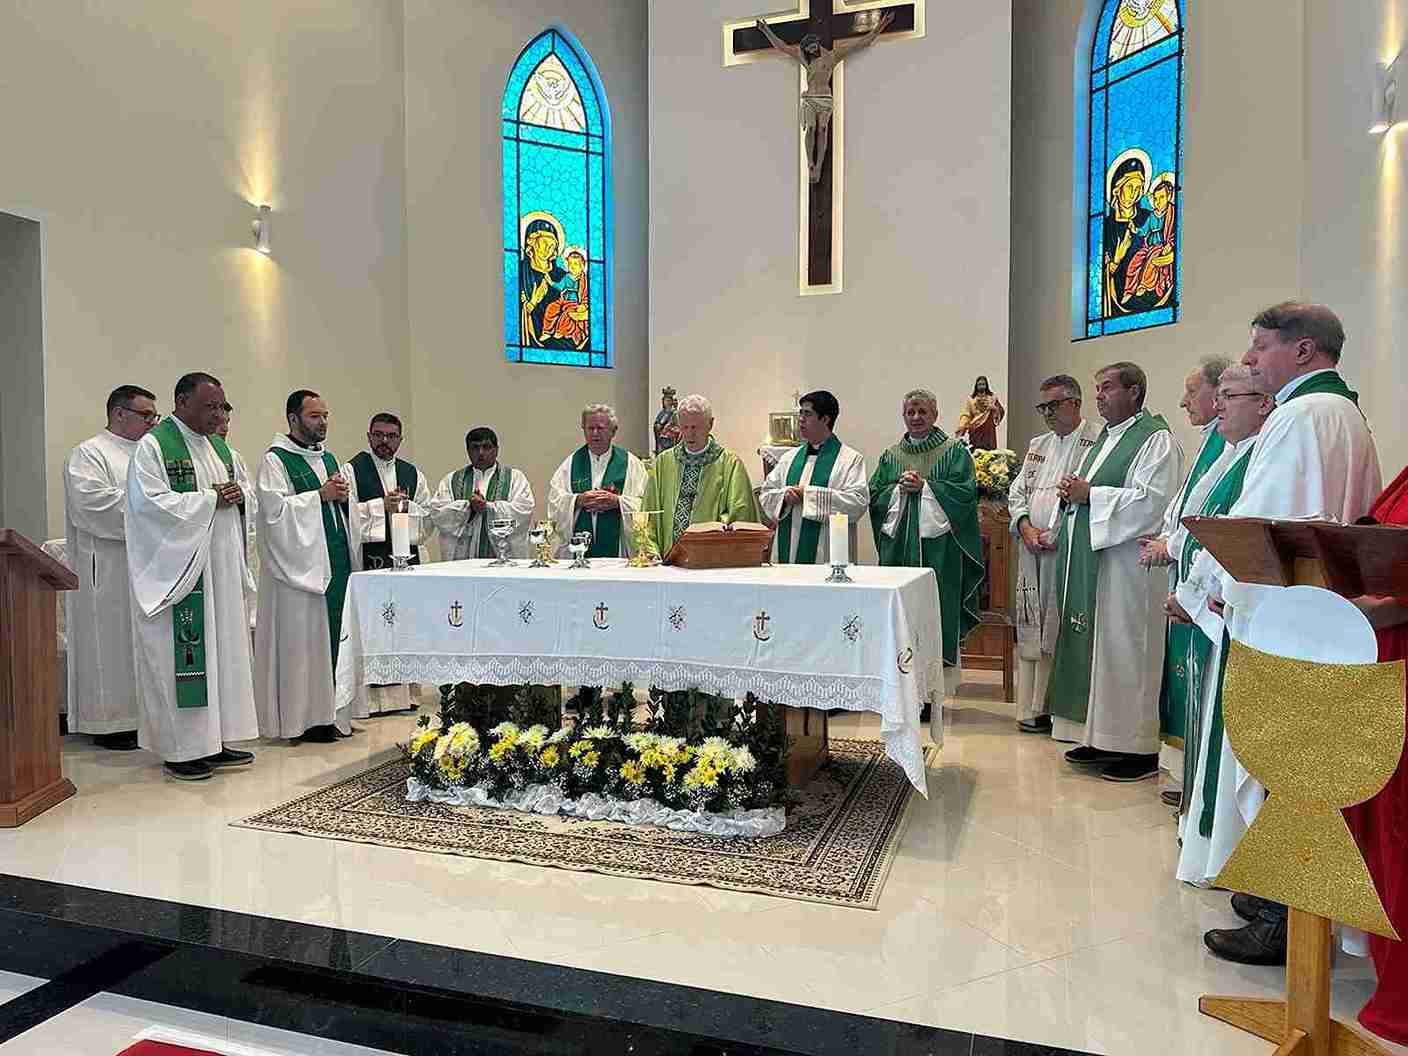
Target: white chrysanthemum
(715,748)
(599,733)
(503,729)
(559,735)
(743,760)
(534,737)
(669,744)
(640,742)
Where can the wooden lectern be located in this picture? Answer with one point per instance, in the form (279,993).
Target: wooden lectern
(1350,560)
(31,777)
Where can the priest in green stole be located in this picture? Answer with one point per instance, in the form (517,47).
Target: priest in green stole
(924,511)
(305,559)
(380,484)
(597,488)
(811,483)
(1162,551)
(185,556)
(1104,687)
(696,481)
(1243,413)
(469,498)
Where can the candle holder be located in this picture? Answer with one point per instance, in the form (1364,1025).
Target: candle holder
(838,575)
(579,544)
(642,556)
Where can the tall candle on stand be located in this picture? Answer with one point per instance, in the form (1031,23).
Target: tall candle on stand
(400,535)
(840,539)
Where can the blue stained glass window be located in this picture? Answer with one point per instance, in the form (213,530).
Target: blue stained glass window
(1134,178)
(557,207)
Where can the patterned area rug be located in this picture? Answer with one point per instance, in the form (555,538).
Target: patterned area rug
(841,835)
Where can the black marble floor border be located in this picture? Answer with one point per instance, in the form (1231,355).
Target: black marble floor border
(407,997)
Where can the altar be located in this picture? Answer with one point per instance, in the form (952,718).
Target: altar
(779,632)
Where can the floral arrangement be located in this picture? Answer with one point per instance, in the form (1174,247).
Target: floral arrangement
(718,770)
(995,471)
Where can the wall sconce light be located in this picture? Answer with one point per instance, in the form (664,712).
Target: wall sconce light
(261,230)
(1385,96)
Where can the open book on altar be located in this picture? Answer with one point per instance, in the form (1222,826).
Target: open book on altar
(713,544)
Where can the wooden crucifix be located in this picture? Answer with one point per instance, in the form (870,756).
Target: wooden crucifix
(819,42)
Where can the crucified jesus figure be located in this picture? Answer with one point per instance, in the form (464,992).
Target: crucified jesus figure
(817,101)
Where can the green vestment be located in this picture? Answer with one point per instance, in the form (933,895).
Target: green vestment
(955,556)
(1177,696)
(725,493)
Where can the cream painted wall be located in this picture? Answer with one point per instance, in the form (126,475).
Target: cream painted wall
(1354,250)
(1244,175)
(927,126)
(139,134)
(458,55)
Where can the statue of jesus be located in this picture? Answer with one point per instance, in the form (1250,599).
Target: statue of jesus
(817,101)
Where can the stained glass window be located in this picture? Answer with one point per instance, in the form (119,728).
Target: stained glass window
(557,207)
(1134,172)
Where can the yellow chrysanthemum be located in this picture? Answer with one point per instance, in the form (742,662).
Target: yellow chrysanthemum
(550,756)
(633,773)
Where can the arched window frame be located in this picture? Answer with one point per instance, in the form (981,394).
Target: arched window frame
(519,137)
(1095,74)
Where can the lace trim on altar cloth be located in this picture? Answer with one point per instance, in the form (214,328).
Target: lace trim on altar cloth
(548,799)
(847,692)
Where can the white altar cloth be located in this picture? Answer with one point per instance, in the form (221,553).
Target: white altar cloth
(777,631)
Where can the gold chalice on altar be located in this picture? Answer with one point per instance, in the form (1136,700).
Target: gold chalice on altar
(642,553)
(540,537)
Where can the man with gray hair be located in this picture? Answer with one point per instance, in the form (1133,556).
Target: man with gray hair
(1035,510)
(1214,457)
(696,481)
(924,512)
(595,485)
(1103,692)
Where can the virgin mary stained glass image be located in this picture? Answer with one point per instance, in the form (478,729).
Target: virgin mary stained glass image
(555,304)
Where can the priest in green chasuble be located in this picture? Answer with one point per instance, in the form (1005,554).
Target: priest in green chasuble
(812,482)
(597,488)
(185,556)
(1164,550)
(696,481)
(1104,687)
(924,512)
(305,541)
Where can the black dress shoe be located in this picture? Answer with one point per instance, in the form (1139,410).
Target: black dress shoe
(343,736)
(195,770)
(126,741)
(1088,756)
(925,712)
(1173,797)
(1040,724)
(325,734)
(1132,768)
(227,758)
(1248,907)
(1260,942)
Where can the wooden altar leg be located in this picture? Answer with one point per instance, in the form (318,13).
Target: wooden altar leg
(1301,1024)
(808,734)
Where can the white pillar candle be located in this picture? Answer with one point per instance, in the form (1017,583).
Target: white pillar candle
(400,535)
(840,539)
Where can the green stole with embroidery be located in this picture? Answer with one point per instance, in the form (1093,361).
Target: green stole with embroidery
(303,479)
(462,487)
(606,536)
(1068,692)
(1219,502)
(188,614)
(1174,701)
(810,534)
(1330,382)
(369,487)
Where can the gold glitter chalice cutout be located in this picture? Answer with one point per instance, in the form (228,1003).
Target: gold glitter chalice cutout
(1320,737)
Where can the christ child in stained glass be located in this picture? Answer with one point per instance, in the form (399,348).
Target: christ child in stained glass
(568,317)
(1149,280)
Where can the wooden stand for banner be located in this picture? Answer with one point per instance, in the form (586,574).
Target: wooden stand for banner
(1351,561)
(31,774)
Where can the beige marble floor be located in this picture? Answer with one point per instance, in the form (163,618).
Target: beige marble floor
(1029,900)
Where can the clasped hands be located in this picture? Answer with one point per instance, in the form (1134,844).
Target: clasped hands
(1037,541)
(228,494)
(1153,551)
(1074,489)
(910,482)
(598,500)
